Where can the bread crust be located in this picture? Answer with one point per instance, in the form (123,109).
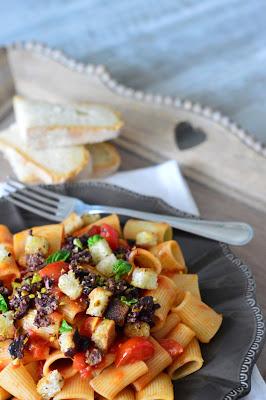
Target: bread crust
(49,176)
(105,159)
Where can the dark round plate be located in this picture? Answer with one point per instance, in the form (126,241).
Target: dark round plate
(225,283)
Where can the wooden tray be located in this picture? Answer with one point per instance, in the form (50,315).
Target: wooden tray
(226,157)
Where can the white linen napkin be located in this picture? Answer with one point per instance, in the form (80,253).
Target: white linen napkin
(166,181)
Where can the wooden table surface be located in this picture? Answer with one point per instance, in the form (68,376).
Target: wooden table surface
(209,51)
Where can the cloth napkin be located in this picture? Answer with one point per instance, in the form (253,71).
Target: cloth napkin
(166,181)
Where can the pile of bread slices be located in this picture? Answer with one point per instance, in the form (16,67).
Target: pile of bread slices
(53,143)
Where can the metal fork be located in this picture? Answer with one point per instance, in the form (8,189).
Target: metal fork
(56,207)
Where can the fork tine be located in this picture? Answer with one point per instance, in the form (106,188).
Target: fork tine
(32,210)
(37,189)
(30,194)
(42,206)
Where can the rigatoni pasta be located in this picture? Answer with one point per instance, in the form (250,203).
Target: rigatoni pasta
(4,395)
(88,313)
(156,364)
(61,362)
(165,295)
(171,322)
(202,319)
(162,230)
(188,363)
(17,381)
(161,388)
(113,380)
(76,388)
(170,255)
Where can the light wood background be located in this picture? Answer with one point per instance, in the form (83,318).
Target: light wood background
(209,51)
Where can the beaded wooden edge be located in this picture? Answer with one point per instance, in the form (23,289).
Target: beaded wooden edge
(231,160)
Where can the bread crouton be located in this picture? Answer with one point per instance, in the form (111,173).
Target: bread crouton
(7,329)
(72,223)
(104,334)
(69,285)
(50,385)
(99,299)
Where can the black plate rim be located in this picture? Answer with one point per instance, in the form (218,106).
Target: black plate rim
(250,296)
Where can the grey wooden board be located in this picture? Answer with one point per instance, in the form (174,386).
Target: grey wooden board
(211,51)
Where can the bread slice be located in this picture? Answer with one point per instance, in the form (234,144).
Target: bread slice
(48,166)
(105,159)
(44,124)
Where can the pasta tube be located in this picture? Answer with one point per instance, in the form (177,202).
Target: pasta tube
(33,369)
(70,308)
(112,220)
(5,357)
(156,364)
(6,236)
(54,361)
(202,319)
(162,230)
(161,388)
(126,394)
(171,321)
(170,255)
(8,266)
(187,283)
(17,381)
(75,388)
(165,296)
(181,334)
(190,361)
(144,259)
(53,234)
(4,395)
(113,380)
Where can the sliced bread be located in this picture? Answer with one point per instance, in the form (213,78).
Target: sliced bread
(105,159)
(44,124)
(48,165)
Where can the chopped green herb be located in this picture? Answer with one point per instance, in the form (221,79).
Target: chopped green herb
(121,268)
(128,302)
(60,255)
(94,239)
(36,278)
(3,305)
(65,327)
(78,243)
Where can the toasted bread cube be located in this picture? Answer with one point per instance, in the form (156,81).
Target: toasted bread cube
(66,342)
(146,239)
(36,244)
(104,334)
(7,329)
(50,385)
(90,218)
(99,299)
(69,285)
(105,266)
(137,329)
(99,249)
(144,278)
(72,223)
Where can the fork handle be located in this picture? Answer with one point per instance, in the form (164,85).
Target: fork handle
(235,233)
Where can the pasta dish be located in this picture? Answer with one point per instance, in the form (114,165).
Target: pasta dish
(92,310)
